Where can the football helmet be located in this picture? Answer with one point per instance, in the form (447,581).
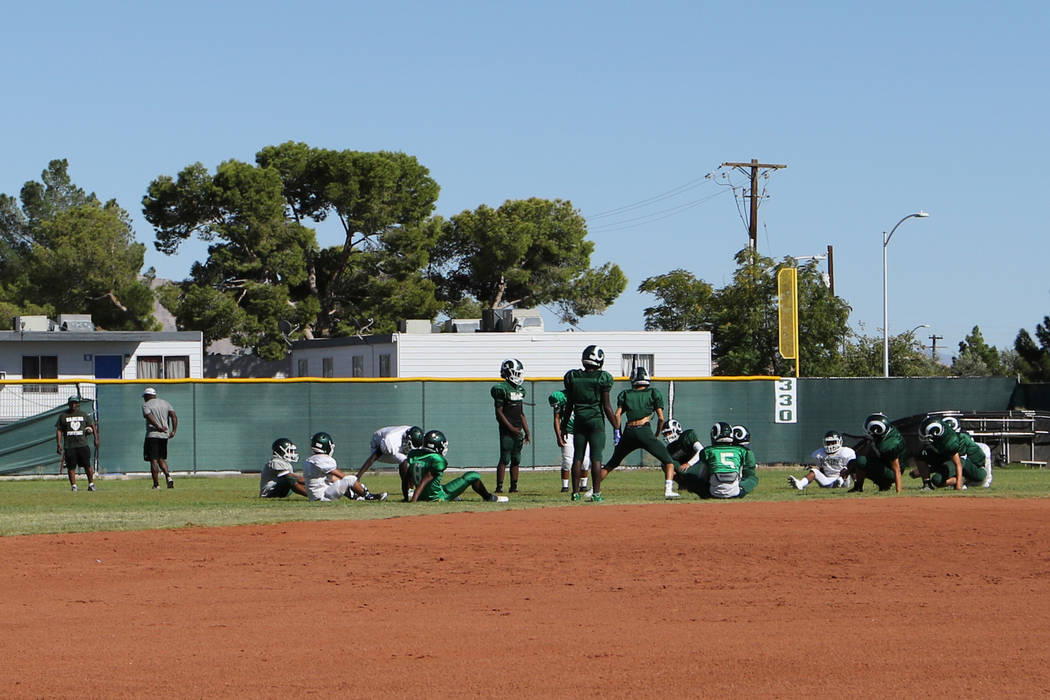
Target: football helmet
(640,377)
(286,450)
(876,425)
(832,442)
(741,435)
(722,432)
(952,422)
(435,441)
(556,399)
(513,371)
(593,357)
(672,431)
(322,443)
(931,428)
(413,437)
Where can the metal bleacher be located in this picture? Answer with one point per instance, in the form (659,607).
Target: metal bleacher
(1014,436)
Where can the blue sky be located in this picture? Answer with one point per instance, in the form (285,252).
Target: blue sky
(877,112)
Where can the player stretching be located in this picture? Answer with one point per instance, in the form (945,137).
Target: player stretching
(829,463)
(884,466)
(683,445)
(324,481)
(426,468)
(639,403)
(724,470)
(587,393)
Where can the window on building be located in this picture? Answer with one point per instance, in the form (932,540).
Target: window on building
(327,367)
(163,366)
(628,362)
(304,368)
(40,367)
(358,367)
(384,365)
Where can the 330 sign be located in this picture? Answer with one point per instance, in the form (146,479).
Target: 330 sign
(786,409)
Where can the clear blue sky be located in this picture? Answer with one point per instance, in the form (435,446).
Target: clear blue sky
(877,110)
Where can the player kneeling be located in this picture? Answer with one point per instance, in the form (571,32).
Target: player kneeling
(426,468)
(829,463)
(278,478)
(324,481)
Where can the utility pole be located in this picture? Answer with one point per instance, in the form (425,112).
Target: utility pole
(754,166)
(933,345)
(831,269)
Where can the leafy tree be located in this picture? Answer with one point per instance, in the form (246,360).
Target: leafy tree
(526,253)
(265,266)
(908,358)
(1033,360)
(64,251)
(977,359)
(683,299)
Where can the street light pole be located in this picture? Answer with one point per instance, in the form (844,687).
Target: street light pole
(885,292)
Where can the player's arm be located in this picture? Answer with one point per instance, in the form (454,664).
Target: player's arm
(427,478)
(748,472)
(501,418)
(58,439)
(94,429)
(659,420)
(896,465)
(614,418)
(557,428)
(525,427)
(152,420)
(958,472)
(368,463)
(174,420)
(698,450)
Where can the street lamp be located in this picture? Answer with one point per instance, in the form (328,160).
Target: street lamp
(885,293)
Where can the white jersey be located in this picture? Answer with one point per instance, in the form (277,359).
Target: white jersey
(317,473)
(833,464)
(273,470)
(388,442)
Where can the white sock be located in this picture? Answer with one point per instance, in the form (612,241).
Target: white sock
(668,485)
(803,482)
(583,483)
(564,483)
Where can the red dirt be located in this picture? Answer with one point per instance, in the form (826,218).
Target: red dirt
(946,597)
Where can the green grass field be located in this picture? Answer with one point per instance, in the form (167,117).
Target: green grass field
(48,506)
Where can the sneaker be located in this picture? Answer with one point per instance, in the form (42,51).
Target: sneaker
(797,483)
(597,498)
(156,488)
(564,489)
(928,487)
(171,483)
(671,495)
(91,486)
(576,497)
(376,496)
(410,492)
(74,488)
(493,498)
(499,489)
(513,488)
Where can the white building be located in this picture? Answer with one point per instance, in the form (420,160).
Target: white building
(70,349)
(479,354)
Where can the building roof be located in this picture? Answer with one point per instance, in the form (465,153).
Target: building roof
(101,336)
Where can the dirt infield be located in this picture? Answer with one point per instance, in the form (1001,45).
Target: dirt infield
(939,597)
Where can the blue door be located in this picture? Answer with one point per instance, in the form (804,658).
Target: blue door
(109,366)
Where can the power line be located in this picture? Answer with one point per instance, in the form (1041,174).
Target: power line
(651,200)
(654,216)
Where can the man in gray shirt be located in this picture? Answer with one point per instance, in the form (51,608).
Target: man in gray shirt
(161,424)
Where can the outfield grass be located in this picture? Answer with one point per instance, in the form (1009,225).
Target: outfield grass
(48,506)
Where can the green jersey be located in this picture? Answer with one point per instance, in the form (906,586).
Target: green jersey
(583,392)
(423,462)
(951,443)
(684,448)
(561,407)
(890,446)
(511,399)
(639,403)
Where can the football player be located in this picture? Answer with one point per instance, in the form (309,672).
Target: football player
(391,445)
(278,478)
(426,468)
(829,462)
(953,423)
(724,470)
(587,394)
(563,433)
(683,445)
(883,464)
(638,404)
(324,480)
(946,459)
(509,399)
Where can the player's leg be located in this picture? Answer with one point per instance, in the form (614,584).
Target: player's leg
(801,482)
(506,448)
(596,442)
(857,469)
(362,492)
(70,463)
(566,466)
(658,449)
(579,443)
(515,461)
(89,468)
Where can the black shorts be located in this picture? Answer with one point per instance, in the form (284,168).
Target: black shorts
(154,449)
(77,457)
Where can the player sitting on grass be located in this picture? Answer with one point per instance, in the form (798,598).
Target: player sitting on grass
(324,481)
(724,470)
(953,423)
(683,445)
(278,478)
(946,459)
(883,463)
(426,468)
(829,462)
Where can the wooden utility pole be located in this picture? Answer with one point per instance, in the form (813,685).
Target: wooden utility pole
(755,166)
(933,345)
(831,269)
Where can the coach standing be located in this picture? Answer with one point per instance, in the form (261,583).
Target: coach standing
(71,431)
(161,424)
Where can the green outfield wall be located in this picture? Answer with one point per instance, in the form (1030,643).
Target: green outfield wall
(230,424)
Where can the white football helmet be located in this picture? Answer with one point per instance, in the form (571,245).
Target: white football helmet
(832,442)
(513,371)
(672,431)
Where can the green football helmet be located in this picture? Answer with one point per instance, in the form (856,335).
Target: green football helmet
(556,399)
(414,437)
(931,428)
(286,450)
(593,357)
(640,377)
(741,435)
(435,441)
(513,371)
(722,432)
(952,422)
(876,425)
(322,443)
